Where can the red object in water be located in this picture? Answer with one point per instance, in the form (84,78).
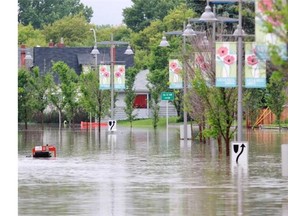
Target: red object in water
(92,124)
(44,151)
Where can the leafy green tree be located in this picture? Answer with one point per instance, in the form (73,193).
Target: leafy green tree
(41,13)
(92,99)
(30,37)
(253,101)
(74,29)
(130,94)
(68,83)
(276,22)
(220,109)
(142,12)
(40,85)
(55,96)
(276,95)
(26,100)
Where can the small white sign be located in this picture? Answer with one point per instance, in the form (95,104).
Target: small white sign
(38,148)
(239,154)
(112,125)
(284,159)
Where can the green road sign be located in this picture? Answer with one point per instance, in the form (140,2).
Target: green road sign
(167,95)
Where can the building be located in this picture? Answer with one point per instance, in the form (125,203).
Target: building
(79,58)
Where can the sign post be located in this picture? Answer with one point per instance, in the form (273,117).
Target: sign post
(284,159)
(167,96)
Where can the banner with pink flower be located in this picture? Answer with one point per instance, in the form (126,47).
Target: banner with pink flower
(255,69)
(119,77)
(226,64)
(202,62)
(104,77)
(175,74)
(264,38)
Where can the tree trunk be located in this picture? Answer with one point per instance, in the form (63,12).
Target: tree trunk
(227,142)
(200,132)
(26,119)
(219,140)
(99,125)
(42,120)
(59,118)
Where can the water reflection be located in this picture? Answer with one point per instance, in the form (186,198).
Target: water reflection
(147,172)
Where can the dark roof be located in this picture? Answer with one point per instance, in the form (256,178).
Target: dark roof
(74,57)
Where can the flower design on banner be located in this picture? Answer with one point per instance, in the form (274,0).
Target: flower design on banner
(121,69)
(226,59)
(252,62)
(222,51)
(229,60)
(202,62)
(118,74)
(176,68)
(103,71)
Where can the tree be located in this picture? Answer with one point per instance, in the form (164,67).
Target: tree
(220,109)
(55,96)
(276,95)
(69,87)
(41,13)
(94,100)
(130,94)
(40,85)
(26,100)
(30,37)
(74,29)
(142,12)
(275,17)
(254,101)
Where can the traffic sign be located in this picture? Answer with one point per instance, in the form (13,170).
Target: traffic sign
(112,125)
(239,155)
(167,95)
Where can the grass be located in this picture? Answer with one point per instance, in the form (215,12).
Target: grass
(148,122)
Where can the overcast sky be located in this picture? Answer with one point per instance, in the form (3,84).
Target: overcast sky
(107,11)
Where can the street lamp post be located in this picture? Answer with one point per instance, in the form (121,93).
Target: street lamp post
(208,16)
(239,74)
(112,44)
(94,52)
(188,32)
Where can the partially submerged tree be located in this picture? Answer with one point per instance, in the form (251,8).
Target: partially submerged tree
(130,94)
(95,101)
(276,96)
(40,85)
(26,100)
(68,84)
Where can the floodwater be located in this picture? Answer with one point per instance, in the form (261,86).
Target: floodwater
(146,172)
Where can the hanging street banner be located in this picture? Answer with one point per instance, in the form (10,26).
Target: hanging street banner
(119,77)
(202,63)
(264,38)
(175,74)
(104,77)
(255,68)
(226,67)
